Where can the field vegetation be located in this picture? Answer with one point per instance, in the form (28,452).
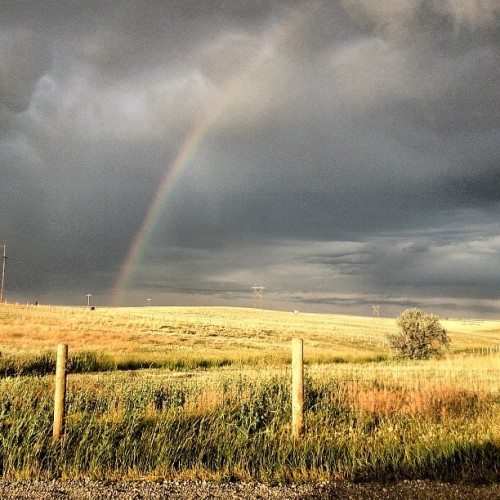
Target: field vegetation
(162,393)
(187,338)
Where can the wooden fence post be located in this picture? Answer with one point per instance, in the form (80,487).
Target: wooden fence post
(297,388)
(60,391)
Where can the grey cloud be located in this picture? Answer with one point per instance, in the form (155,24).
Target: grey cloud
(228,56)
(348,260)
(473,14)
(24,57)
(425,21)
(478,188)
(445,93)
(461,267)
(340,152)
(394,19)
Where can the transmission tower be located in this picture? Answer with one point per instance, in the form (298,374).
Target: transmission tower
(376,311)
(258,291)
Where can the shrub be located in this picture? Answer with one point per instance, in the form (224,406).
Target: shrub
(420,335)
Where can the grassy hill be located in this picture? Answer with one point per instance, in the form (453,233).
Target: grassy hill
(212,331)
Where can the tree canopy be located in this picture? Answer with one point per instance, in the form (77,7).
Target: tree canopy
(420,335)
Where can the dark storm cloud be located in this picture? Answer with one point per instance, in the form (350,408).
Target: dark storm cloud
(478,188)
(354,159)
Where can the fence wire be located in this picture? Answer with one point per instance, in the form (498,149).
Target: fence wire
(377,389)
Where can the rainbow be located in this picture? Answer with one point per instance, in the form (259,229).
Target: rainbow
(189,148)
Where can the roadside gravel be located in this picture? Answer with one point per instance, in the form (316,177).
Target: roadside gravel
(191,490)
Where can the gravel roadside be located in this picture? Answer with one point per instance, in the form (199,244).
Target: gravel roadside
(85,489)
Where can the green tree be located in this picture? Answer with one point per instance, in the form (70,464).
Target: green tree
(420,335)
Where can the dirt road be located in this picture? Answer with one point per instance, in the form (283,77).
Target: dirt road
(84,489)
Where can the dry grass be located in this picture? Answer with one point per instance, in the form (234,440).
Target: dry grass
(210,331)
(235,332)
(364,420)
(432,401)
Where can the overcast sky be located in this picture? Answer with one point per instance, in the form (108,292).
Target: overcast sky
(347,153)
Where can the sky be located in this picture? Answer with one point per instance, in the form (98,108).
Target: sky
(340,153)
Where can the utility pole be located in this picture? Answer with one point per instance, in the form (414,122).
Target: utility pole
(88,299)
(4,260)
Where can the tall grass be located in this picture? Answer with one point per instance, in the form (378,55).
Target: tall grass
(85,361)
(44,363)
(224,427)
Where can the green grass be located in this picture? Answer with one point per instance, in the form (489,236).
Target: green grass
(44,362)
(228,427)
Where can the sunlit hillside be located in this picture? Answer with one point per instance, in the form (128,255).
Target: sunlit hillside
(213,331)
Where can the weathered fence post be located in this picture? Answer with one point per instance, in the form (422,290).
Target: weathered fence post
(60,391)
(297,388)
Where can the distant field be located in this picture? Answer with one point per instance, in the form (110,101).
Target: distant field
(233,333)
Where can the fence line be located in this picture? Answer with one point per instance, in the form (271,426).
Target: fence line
(406,389)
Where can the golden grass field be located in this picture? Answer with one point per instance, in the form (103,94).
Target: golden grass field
(217,403)
(249,336)
(214,330)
